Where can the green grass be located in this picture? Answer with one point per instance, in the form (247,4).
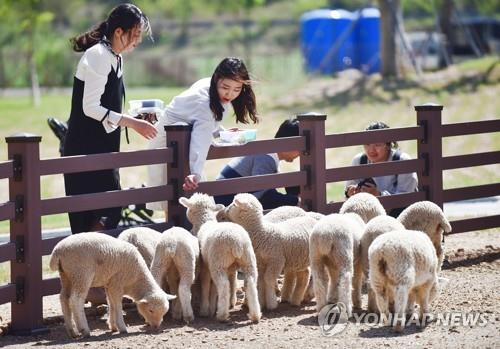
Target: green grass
(350,103)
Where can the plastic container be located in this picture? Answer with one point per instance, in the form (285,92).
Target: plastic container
(327,40)
(239,136)
(139,106)
(368,40)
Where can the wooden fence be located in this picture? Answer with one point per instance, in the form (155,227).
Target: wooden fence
(25,207)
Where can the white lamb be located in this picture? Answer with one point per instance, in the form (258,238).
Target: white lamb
(225,248)
(278,247)
(145,239)
(428,217)
(403,263)
(365,205)
(174,263)
(98,260)
(375,227)
(333,247)
(284,213)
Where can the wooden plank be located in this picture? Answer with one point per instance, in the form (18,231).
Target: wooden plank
(374,170)
(6,169)
(258,147)
(473,224)
(473,192)
(7,293)
(254,183)
(471,127)
(339,140)
(94,162)
(7,252)
(470,160)
(51,286)
(7,211)
(107,199)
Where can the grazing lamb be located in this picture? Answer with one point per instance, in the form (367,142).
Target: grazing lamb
(403,262)
(365,205)
(174,263)
(98,260)
(333,246)
(278,247)
(145,239)
(375,227)
(225,248)
(428,217)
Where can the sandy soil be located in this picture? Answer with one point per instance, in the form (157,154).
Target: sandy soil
(473,270)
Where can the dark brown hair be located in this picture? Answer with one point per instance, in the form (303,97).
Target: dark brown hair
(125,16)
(379,125)
(244,105)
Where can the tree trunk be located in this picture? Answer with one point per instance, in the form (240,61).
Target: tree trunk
(3,77)
(388,34)
(445,15)
(35,86)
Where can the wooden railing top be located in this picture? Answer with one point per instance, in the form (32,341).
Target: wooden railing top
(258,147)
(338,140)
(6,169)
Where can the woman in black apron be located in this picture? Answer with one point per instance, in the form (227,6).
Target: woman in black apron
(96,118)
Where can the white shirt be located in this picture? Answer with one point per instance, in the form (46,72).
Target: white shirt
(193,107)
(93,70)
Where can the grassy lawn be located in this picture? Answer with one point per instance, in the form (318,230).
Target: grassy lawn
(468,91)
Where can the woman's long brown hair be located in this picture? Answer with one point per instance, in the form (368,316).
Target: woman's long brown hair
(244,105)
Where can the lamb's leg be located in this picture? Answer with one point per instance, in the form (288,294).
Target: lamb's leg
(116,322)
(205,280)
(357,283)
(410,306)
(288,286)
(372,302)
(333,285)
(422,297)
(300,287)
(382,300)
(320,283)
(76,304)
(400,300)
(272,273)
(184,294)
(221,282)
(345,284)
(212,308)
(251,293)
(232,287)
(65,307)
(261,268)
(173,284)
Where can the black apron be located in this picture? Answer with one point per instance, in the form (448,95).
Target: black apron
(88,136)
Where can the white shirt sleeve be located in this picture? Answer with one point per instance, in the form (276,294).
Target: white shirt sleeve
(201,139)
(93,70)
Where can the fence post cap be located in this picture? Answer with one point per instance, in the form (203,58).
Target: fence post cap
(428,107)
(311,116)
(23,137)
(178,127)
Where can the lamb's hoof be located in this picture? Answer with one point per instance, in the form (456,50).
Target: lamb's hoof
(255,317)
(123,330)
(85,334)
(176,316)
(399,328)
(72,333)
(223,318)
(188,318)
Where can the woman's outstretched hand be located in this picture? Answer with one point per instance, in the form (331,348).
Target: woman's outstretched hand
(142,127)
(190,182)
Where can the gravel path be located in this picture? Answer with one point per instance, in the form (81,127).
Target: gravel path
(474,286)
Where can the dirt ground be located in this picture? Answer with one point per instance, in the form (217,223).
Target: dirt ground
(474,287)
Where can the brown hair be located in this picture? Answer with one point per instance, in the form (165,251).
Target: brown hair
(125,16)
(244,105)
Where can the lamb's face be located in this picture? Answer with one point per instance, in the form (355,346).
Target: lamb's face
(200,208)
(243,206)
(153,308)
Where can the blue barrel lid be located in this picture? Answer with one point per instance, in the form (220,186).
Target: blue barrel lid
(370,12)
(327,14)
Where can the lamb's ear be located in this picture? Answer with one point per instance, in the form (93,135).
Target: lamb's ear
(219,207)
(142,301)
(170,296)
(184,202)
(238,202)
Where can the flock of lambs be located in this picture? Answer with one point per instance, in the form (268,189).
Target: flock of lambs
(401,259)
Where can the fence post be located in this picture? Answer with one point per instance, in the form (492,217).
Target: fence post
(178,138)
(430,180)
(313,194)
(26,232)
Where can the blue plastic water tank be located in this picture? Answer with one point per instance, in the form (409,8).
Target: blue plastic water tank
(327,40)
(368,40)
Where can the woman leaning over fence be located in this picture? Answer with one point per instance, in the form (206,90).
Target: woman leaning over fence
(96,108)
(383,185)
(203,106)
